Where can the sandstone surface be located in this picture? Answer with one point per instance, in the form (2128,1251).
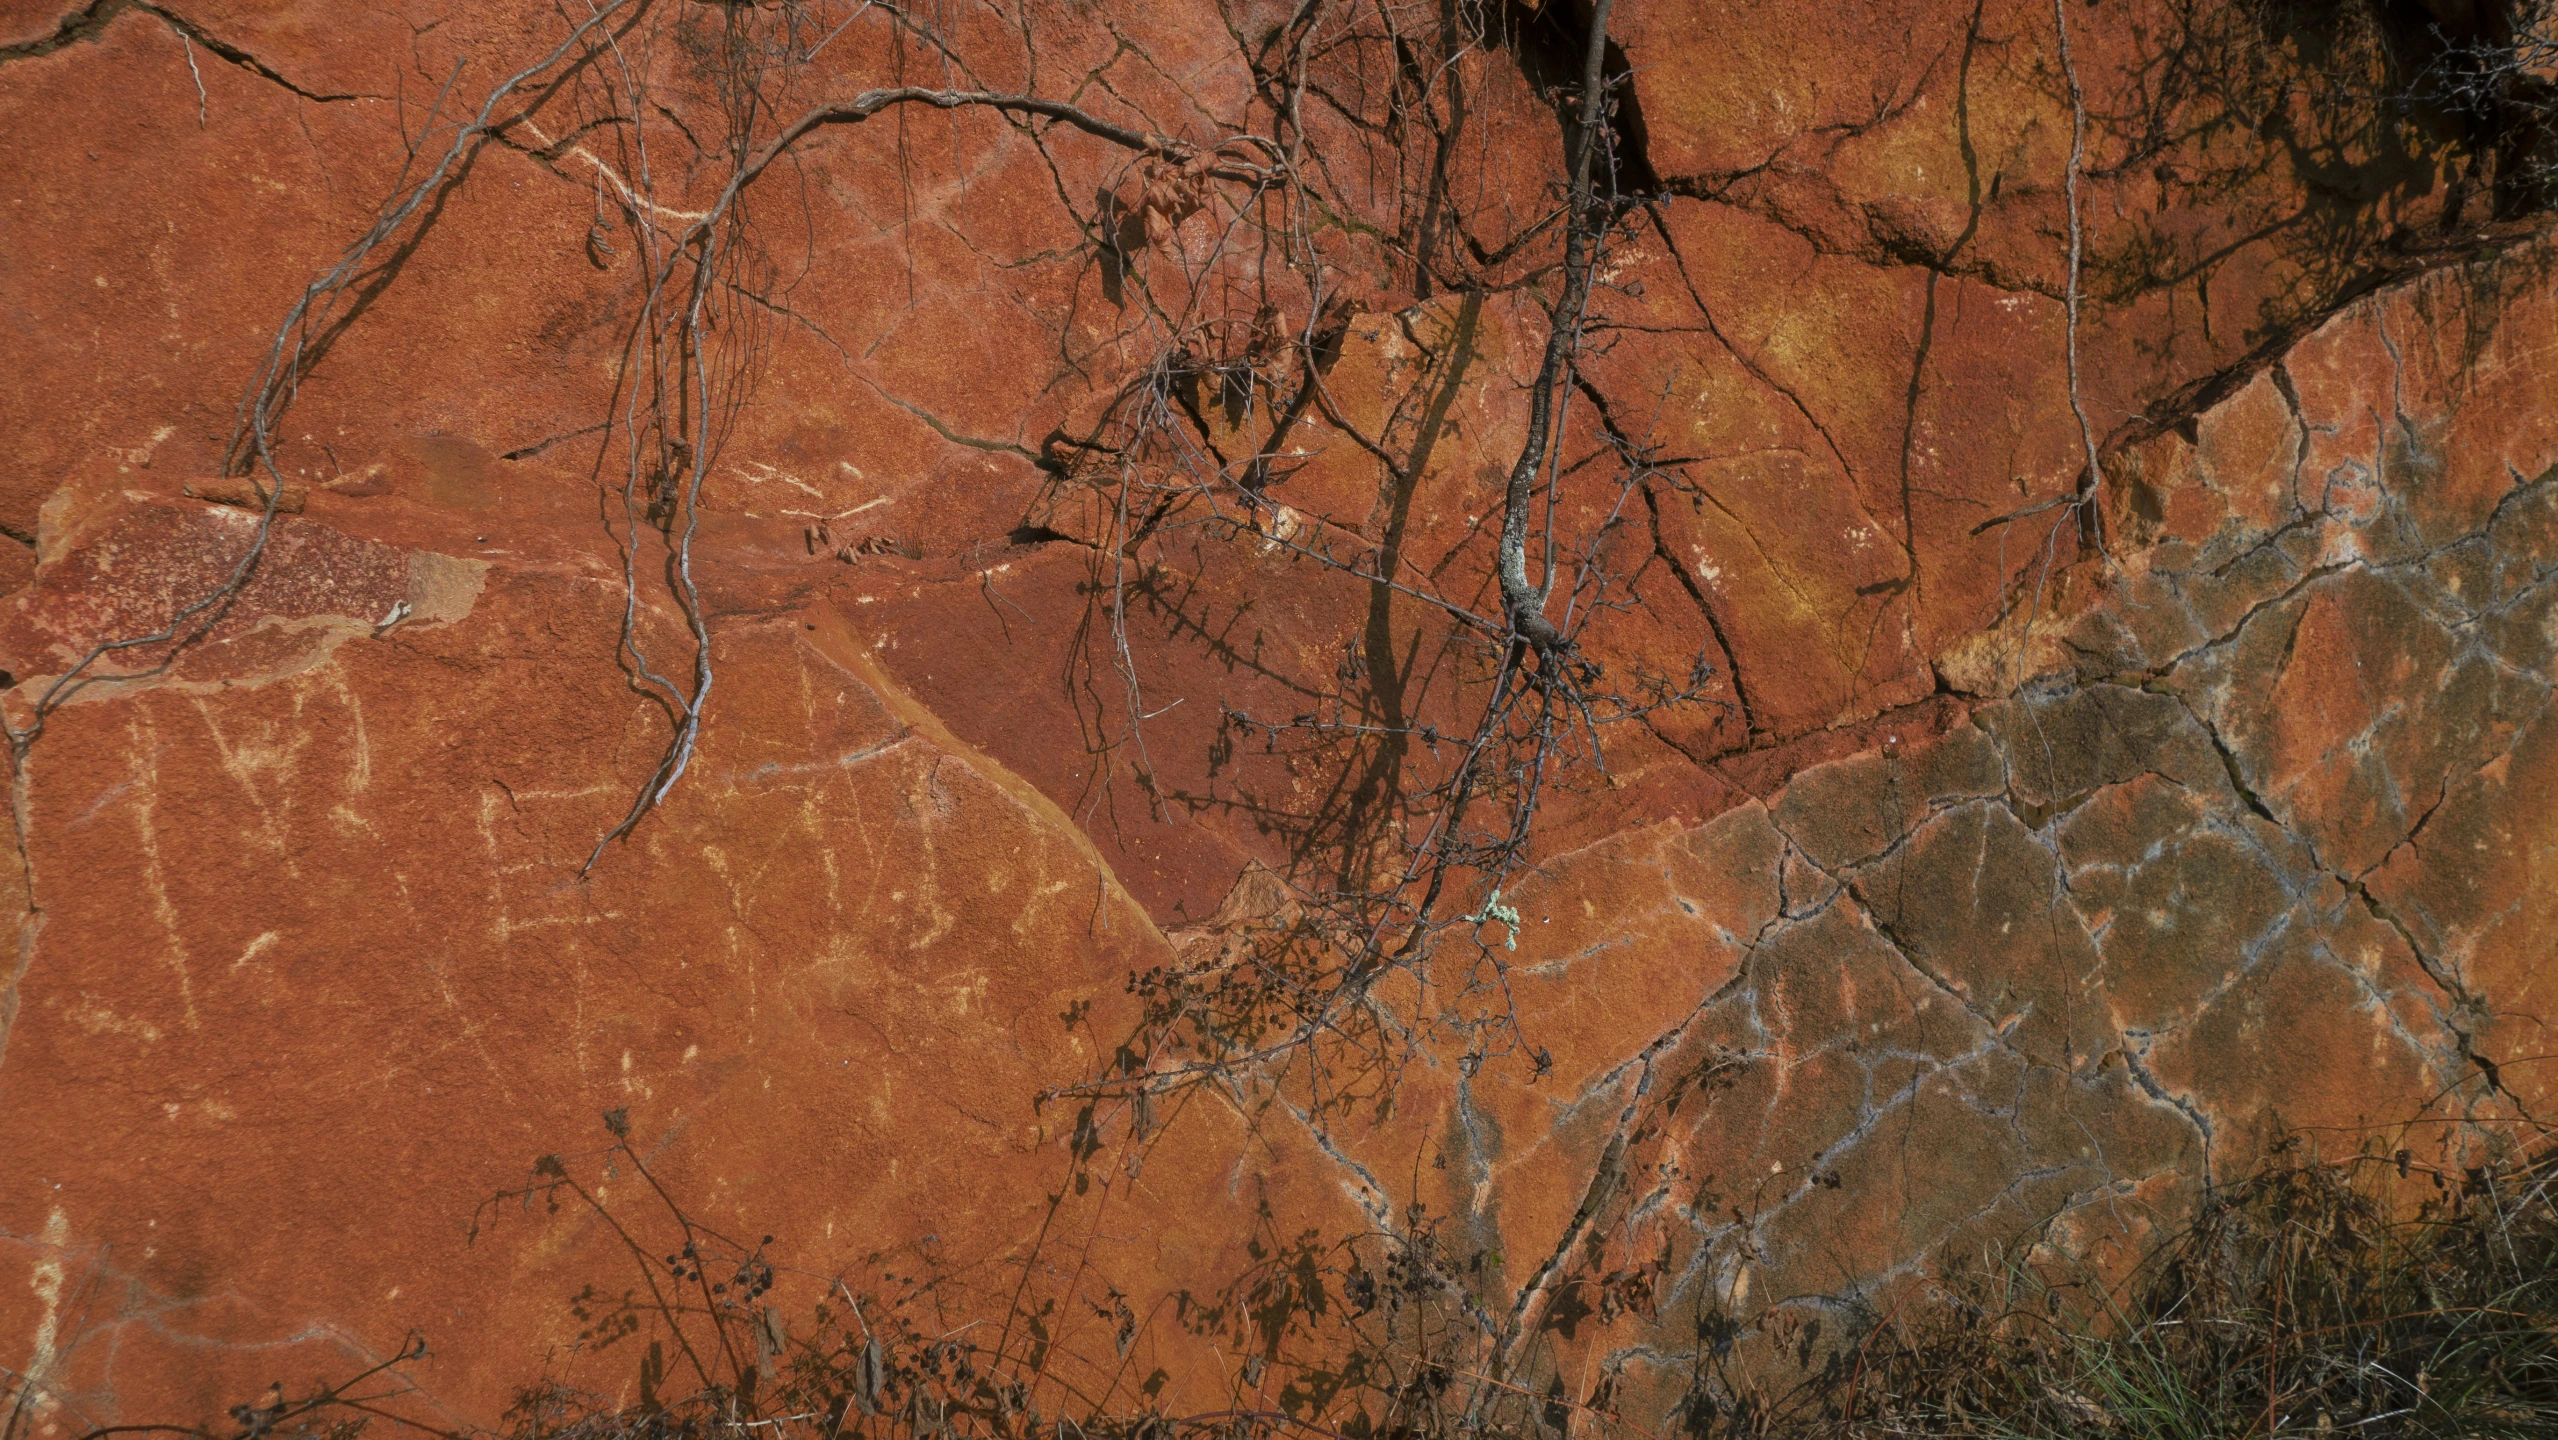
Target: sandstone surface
(2010,866)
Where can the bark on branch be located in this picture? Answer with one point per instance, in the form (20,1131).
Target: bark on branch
(871,102)
(1526,601)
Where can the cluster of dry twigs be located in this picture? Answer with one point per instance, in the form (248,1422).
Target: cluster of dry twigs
(1457,778)
(2376,1295)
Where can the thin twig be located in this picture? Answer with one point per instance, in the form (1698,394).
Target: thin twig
(2090,519)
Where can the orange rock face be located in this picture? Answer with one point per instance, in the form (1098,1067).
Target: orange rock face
(1095,549)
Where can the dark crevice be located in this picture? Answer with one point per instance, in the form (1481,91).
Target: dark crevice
(1911,956)
(80,25)
(1732,663)
(2246,793)
(2150,1086)
(242,58)
(2466,1005)
(2188,402)
(1038,535)
(955,437)
(527,452)
(1549,41)
(2230,636)
(88,23)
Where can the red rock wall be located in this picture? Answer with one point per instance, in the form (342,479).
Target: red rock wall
(1995,881)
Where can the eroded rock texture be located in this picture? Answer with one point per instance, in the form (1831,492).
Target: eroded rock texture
(2018,868)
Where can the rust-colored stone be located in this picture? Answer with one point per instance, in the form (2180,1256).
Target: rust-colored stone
(2008,866)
